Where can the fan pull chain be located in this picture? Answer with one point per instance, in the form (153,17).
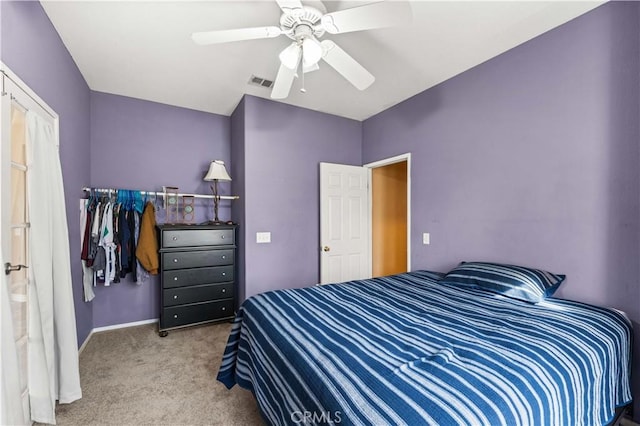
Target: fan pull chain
(302,89)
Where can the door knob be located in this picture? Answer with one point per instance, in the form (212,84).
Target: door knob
(325,248)
(9,268)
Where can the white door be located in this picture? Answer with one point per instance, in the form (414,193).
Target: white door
(15,224)
(344,223)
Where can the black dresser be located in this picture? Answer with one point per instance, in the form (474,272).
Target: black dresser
(197,274)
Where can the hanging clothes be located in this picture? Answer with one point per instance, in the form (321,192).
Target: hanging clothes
(141,274)
(116,243)
(125,243)
(85,235)
(95,234)
(99,260)
(106,242)
(138,205)
(147,250)
(109,231)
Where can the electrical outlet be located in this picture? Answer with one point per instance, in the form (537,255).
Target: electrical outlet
(263,237)
(426,238)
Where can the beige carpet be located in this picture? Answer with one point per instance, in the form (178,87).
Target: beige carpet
(134,377)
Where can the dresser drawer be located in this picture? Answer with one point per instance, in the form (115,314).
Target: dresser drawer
(197,237)
(197,312)
(197,259)
(210,275)
(198,293)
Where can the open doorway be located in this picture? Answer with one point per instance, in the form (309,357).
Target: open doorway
(365,219)
(390,215)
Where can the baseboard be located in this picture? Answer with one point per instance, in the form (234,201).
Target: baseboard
(114,327)
(84,344)
(125,325)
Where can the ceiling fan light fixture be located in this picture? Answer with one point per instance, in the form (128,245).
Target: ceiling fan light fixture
(305,24)
(311,51)
(310,68)
(290,56)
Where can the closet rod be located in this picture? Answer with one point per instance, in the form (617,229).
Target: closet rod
(161,193)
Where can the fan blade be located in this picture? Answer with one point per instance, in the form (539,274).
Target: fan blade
(283,83)
(350,69)
(375,15)
(289,5)
(225,36)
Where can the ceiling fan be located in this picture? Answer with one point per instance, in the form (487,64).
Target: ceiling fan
(305,24)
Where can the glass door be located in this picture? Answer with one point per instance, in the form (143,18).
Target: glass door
(15,232)
(16,101)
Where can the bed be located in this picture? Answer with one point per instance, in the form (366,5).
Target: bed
(408,349)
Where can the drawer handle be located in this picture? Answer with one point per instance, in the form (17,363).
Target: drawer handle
(224,290)
(224,309)
(175,297)
(222,236)
(175,260)
(175,238)
(175,316)
(224,273)
(175,278)
(224,256)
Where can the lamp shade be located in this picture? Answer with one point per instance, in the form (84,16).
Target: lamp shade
(217,171)
(312,51)
(290,56)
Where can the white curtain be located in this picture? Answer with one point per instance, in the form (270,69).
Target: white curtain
(53,351)
(11,409)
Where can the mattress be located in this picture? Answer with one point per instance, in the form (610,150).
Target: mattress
(408,350)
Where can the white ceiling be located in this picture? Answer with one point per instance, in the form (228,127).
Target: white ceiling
(144,49)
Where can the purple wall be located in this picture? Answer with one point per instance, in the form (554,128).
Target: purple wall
(532,158)
(138,144)
(282,148)
(237,172)
(32,49)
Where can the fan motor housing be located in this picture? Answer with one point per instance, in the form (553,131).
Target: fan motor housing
(300,23)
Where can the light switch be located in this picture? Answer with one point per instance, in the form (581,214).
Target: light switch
(263,237)
(426,238)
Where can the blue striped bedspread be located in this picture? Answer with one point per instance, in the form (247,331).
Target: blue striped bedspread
(407,350)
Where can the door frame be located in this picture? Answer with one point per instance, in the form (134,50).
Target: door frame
(381,163)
